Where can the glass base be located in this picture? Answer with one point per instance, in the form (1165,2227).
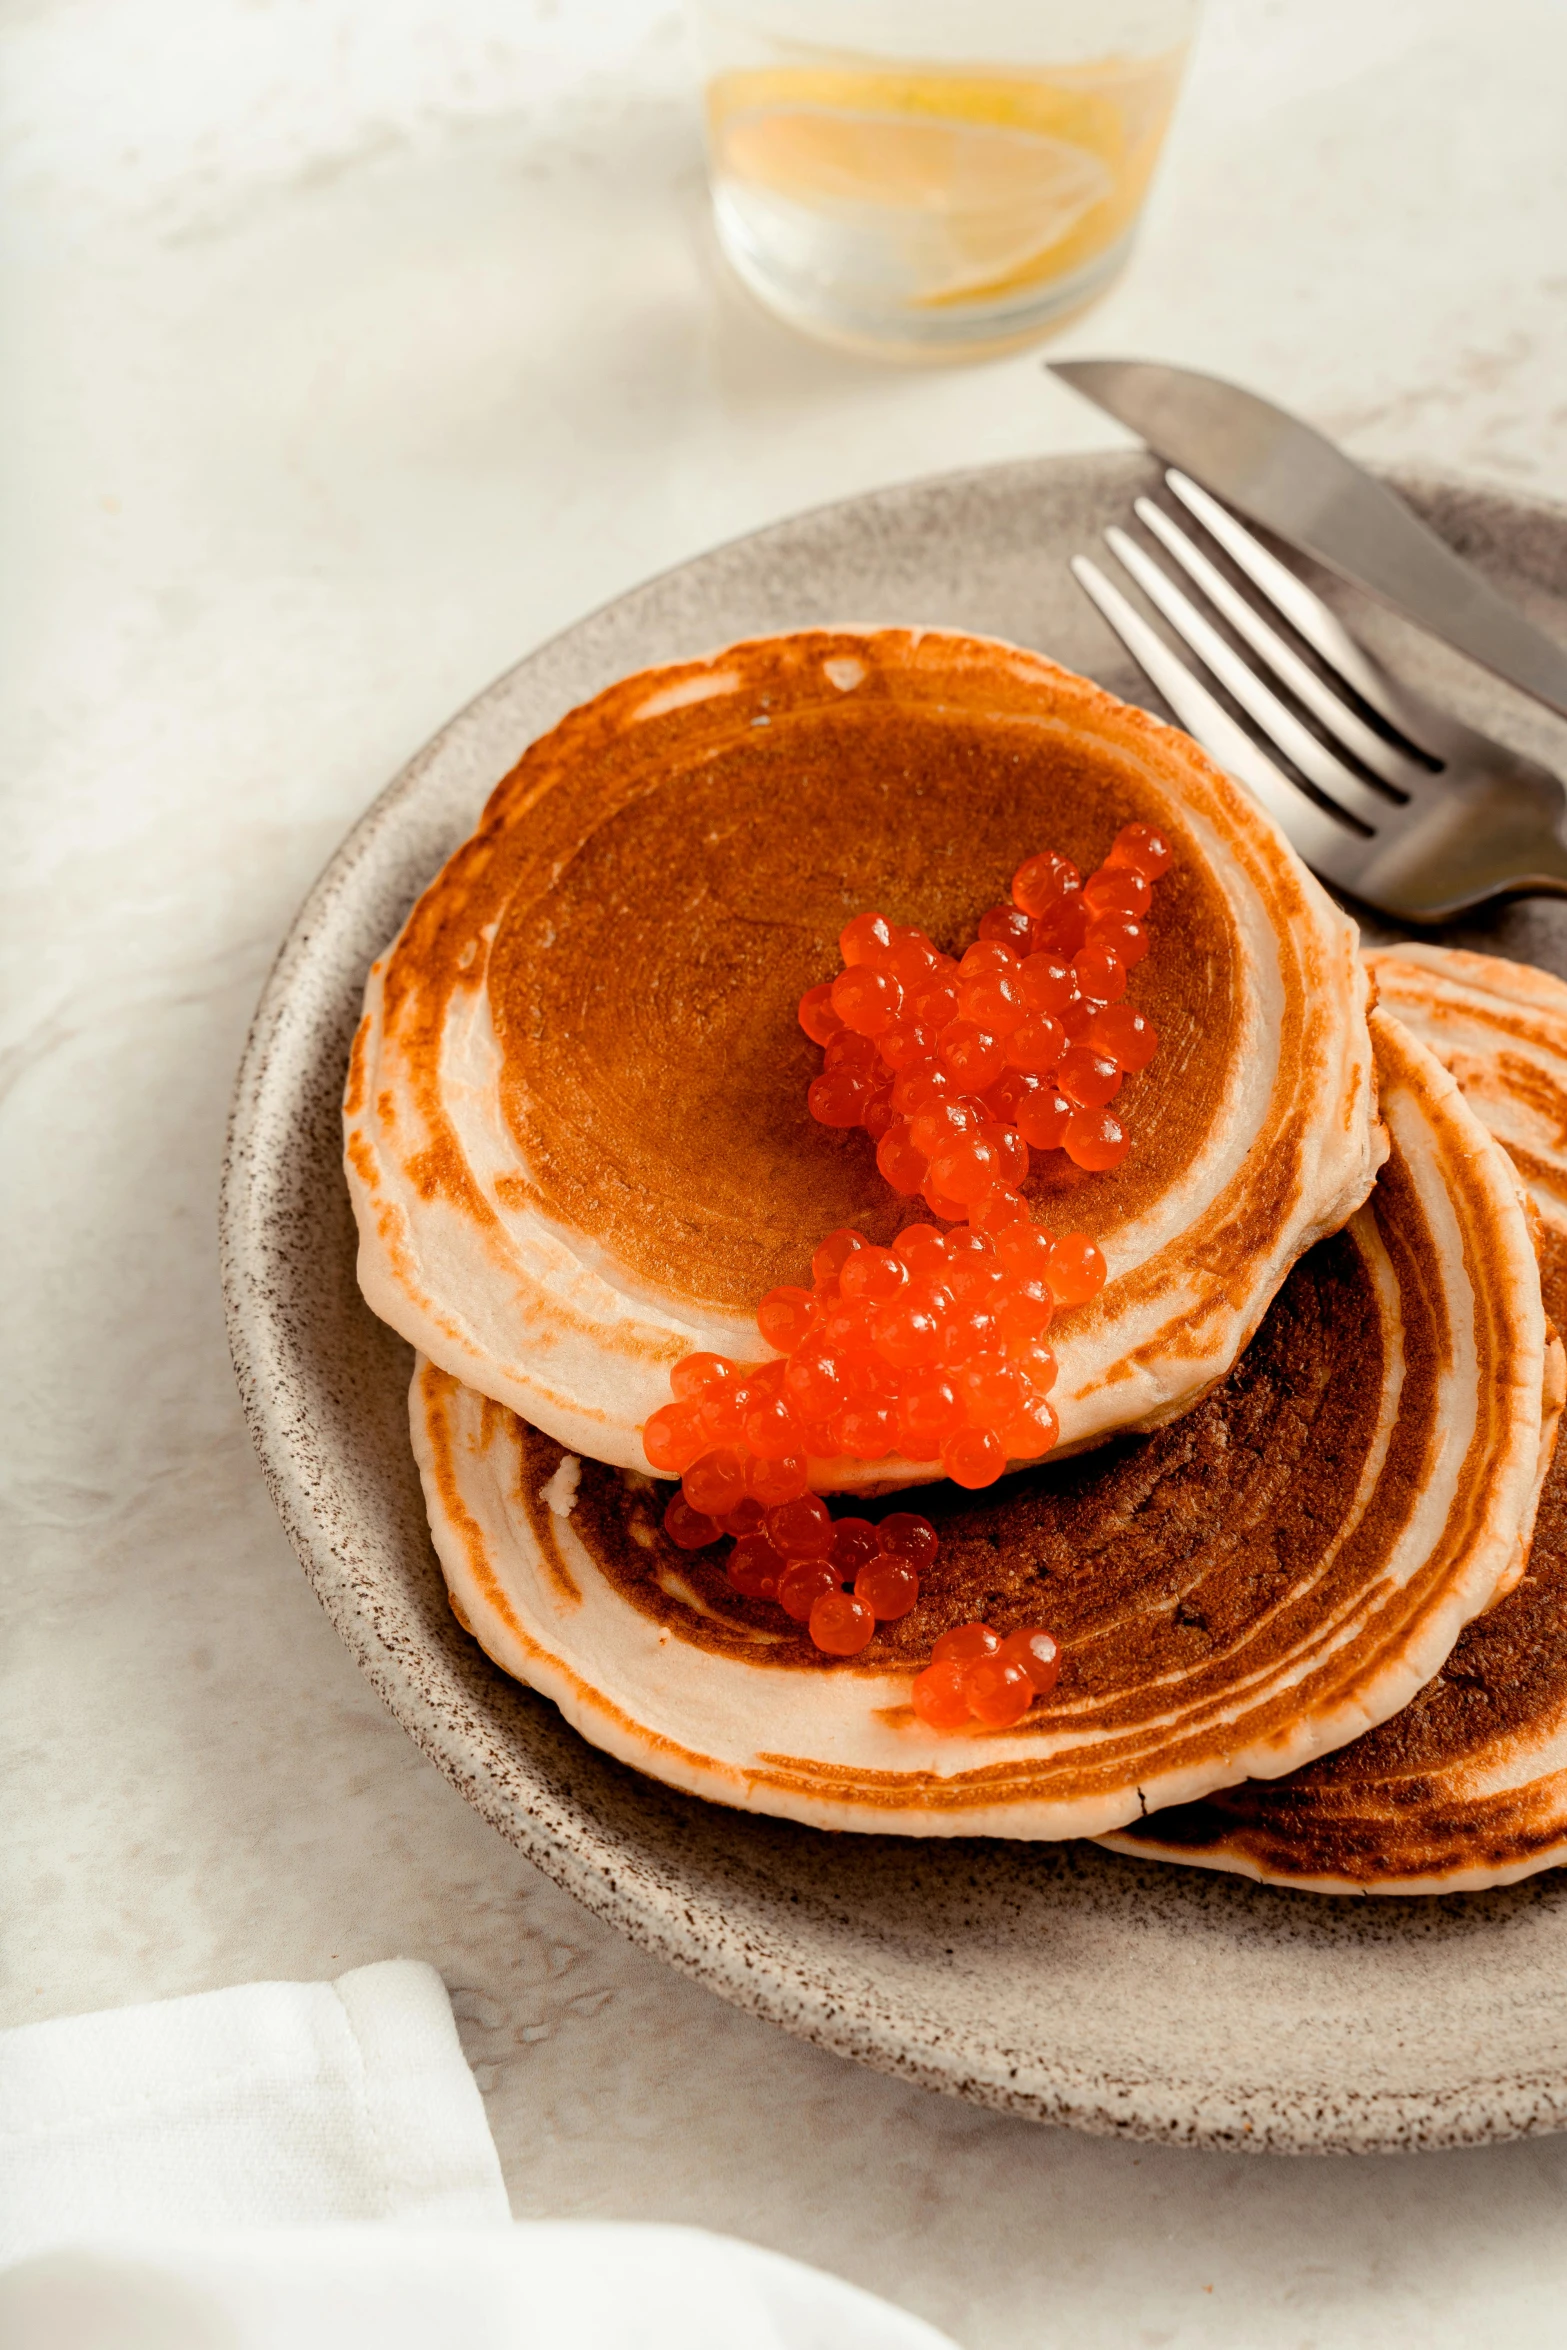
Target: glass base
(913,335)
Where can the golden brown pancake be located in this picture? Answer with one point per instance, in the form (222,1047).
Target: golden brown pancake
(1234,1594)
(1467,1787)
(577,1134)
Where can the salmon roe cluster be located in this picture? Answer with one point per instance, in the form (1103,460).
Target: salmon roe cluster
(936,1349)
(976,1676)
(839,1577)
(958,1069)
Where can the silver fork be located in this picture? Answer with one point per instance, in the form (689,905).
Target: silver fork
(1441,819)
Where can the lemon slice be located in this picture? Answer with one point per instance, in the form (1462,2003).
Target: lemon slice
(915,210)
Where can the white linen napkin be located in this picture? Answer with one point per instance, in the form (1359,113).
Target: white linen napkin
(272,2105)
(189,2175)
(543,2285)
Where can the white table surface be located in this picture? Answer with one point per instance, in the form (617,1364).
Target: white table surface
(355,347)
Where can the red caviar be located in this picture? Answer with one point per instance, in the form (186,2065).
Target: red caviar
(797,1554)
(1041,995)
(976,1676)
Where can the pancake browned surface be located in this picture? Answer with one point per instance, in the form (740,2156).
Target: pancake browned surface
(1468,1786)
(1234,1593)
(577,1134)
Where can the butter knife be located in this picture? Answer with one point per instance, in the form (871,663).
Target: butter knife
(1290,478)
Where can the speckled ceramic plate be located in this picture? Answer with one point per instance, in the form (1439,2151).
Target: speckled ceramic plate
(1055,1981)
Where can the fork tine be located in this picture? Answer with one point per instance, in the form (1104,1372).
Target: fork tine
(1305,612)
(1330,847)
(1280,725)
(1373,750)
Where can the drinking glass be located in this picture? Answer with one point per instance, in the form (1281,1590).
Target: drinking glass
(934,179)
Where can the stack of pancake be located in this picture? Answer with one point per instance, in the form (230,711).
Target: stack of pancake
(1288,1559)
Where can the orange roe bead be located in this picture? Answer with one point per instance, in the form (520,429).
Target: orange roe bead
(1041,882)
(1125,1035)
(1037,1363)
(900,1162)
(1095,1141)
(1042,1119)
(1146,851)
(672,1439)
(908,1042)
(1039,1654)
(716,1482)
(785,1316)
(841,1623)
(772,1431)
(908,1333)
(814,1383)
(817,1017)
(939,1697)
(1063,930)
(1025,1313)
(801,1529)
(1128,939)
(991,1001)
(1026,1253)
(993,1392)
(936,1003)
(855,1542)
(1077,1270)
(879,1117)
(696,1375)
(755,1569)
(973,1458)
(849,1050)
(1075,1017)
(999,1692)
(964,1645)
(912,959)
(972,1055)
(967,1169)
(721,1413)
(802,1584)
(1037,1043)
(866,1432)
(773,1482)
(967,1331)
(1116,889)
(920,1088)
(1100,973)
(874,1273)
(1088,1079)
(1045,982)
(828,1260)
(839,1097)
(889,1587)
(1011,1151)
(867,1000)
(999,1208)
(1031,1432)
(951,1211)
(921,1247)
(1006,926)
(906,1535)
(927,1415)
(689,1529)
(935,1129)
(867,939)
(744,1518)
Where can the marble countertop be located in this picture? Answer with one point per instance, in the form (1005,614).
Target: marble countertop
(354,350)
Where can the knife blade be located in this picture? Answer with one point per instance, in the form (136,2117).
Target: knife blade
(1295,482)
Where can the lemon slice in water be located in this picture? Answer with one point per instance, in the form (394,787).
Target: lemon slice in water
(909,209)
